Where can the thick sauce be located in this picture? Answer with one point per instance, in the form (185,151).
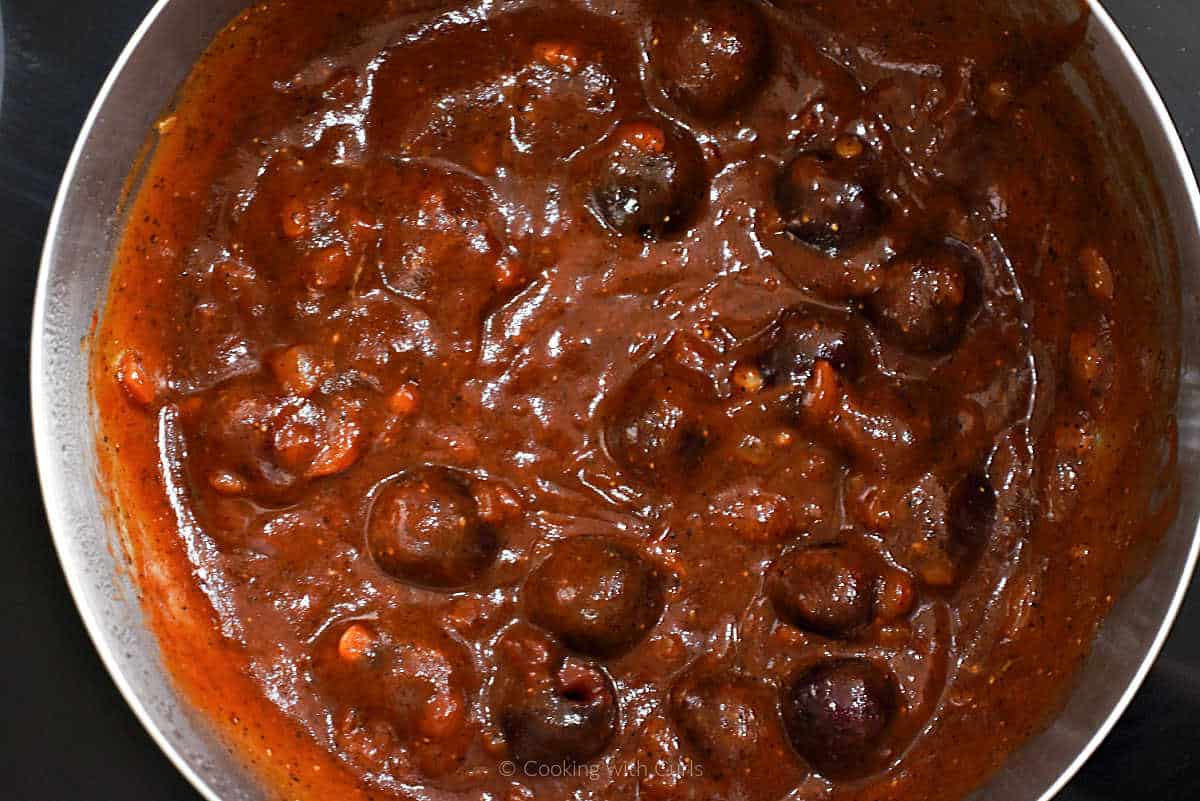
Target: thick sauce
(618,399)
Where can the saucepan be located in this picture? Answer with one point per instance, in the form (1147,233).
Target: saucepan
(1155,177)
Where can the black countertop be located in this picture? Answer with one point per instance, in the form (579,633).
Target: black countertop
(65,733)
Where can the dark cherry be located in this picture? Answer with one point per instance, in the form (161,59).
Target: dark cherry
(727,719)
(440,243)
(402,672)
(424,529)
(239,427)
(837,715)
(972,510)
(830,591)
(825,204)
(384,666)
(805,335)
(264,440)
(649,181)
(885,428)
(713,56)
(924,300)
(657,430)
(596,595)
(564,716)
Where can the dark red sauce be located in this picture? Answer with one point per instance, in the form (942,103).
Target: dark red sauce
(709,400)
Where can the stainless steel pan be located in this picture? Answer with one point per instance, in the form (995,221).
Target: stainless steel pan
(74,271)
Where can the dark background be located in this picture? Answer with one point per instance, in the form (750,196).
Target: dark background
(65,733)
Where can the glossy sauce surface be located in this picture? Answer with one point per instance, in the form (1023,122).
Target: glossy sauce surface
(618,399)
